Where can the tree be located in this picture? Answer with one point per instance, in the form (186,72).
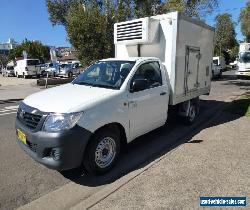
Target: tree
(34,49)
(192,8)
(88,36)
(3,60)
(225,36)
(234,52)
(89,24)
(144,8)
(245,21)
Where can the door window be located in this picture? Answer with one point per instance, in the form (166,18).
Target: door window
(151,72)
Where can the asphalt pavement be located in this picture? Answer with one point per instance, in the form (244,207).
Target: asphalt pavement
(22,180)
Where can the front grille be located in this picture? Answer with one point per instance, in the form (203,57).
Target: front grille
(28,119)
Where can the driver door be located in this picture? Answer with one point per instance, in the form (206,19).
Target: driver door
(148,107)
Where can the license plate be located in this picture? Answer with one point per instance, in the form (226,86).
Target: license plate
(21,136)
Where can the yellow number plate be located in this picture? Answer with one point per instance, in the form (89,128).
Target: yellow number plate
(21,136)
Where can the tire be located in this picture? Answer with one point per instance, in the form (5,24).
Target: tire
(192,112)
(24,76)
(17,75)
(70,74)
(94,159)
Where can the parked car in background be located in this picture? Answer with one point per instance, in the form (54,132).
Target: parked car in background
(220,61)
(52,69)
(8,71)
(27,68)
(68,70)
(216,71)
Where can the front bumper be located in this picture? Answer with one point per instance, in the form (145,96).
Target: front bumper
(68,146)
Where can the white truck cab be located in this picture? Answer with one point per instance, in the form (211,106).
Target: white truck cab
(115,100)
(27,68)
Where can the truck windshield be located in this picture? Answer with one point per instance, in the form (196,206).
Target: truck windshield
(106,74)
(32,62)
(244,57)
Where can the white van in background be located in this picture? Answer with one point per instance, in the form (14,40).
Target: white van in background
(220,62)
(27,68)
(243,65)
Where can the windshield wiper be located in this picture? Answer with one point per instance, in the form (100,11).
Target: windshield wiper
(95,85)
(103,86)
(83,83)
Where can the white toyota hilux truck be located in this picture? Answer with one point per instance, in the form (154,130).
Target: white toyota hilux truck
(161,61)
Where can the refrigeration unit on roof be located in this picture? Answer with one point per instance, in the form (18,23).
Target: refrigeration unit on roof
(138,31)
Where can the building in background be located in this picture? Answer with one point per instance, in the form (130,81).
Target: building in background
(67,54)
(7,46)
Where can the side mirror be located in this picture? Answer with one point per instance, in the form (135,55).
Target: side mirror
(138,85)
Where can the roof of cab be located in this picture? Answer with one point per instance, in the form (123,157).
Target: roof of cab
(130,59)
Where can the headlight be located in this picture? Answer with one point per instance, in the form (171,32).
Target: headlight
(58,122)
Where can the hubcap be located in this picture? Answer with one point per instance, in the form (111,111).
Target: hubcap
(192,113)
(105,152)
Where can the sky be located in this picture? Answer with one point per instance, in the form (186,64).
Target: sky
(20,19)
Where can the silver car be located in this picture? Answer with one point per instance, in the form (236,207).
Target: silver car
(67,70)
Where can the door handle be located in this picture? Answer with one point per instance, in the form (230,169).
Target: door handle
(163,93)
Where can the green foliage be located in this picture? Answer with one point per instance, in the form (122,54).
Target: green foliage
(89,24)
(192,8)
(245,21)
(3,60)
(88,36)
(58,10)
(34,49)
(143,8)
(225,36)
(234,52)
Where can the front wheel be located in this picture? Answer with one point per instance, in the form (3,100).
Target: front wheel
(102,151)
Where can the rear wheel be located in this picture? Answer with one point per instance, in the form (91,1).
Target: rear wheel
(102,151)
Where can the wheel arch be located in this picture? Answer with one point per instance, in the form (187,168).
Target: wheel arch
(117,127)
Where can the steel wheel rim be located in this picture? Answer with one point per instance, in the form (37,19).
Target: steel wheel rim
(105,152)
(192,113)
